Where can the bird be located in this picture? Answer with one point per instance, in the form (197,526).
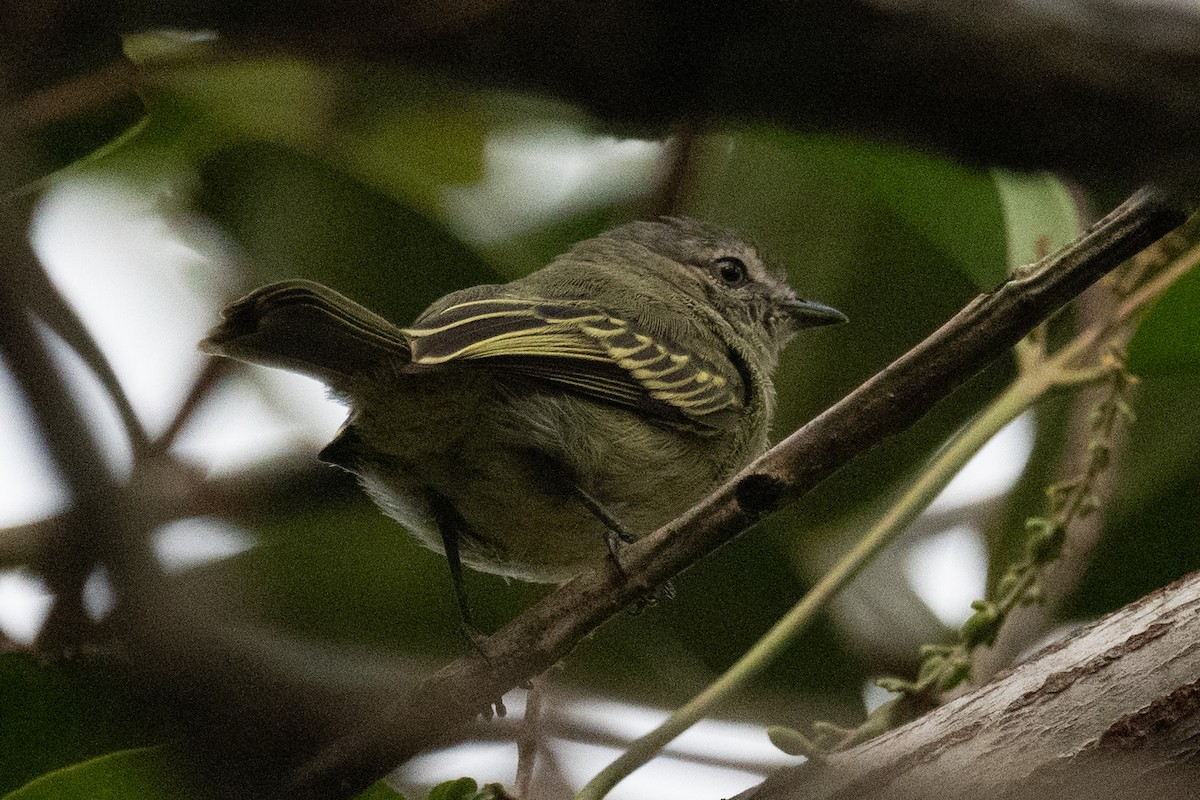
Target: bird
(526,429)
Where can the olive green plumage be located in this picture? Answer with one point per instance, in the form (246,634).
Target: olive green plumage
(632,373)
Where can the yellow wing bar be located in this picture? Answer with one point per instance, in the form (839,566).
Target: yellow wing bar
(580,347)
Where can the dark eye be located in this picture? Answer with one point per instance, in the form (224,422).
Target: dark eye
(732,270)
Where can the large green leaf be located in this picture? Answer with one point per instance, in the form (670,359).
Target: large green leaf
(297,217)
(137,774)
(58,714)
(834,191)
(1040,216)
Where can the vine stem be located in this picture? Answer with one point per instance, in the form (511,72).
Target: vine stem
(1022,393)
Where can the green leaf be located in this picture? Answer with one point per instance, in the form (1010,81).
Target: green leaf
(458,789)
(951,206)
(861,185)
(273,99)
(380,791)
(296,216)
(1039,214)
(125,775)
(1168,340)
(410,135)
(62,713)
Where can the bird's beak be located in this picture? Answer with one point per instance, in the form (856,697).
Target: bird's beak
(810,314)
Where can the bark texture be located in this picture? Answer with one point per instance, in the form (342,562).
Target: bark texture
(1112,710)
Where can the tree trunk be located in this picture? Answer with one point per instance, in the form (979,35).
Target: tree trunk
(1111,710)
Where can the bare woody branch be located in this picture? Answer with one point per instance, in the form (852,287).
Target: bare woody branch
(885,405)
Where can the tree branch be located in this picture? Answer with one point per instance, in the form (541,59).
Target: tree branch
(1112,711)
(883,406)
(1091,88)
(1096,89)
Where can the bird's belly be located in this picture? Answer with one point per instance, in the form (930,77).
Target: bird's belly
(515,527)
(513,469)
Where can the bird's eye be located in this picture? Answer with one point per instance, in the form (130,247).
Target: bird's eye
(732,270)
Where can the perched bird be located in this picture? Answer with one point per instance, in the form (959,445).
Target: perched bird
(523,428)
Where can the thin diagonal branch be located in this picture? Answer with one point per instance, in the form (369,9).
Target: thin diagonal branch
(883,406)
(44,299)
(214,369)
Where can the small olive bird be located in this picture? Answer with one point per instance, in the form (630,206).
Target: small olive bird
(523,428)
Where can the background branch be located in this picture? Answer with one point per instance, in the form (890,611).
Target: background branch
(1096,89)
(97,528)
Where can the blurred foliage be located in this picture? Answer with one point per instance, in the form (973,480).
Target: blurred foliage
(380,791)
(465,789)
(58,714)
(1168,341)
(341,173)
(63,139)
(341,232)
(1152,535)
(123,775)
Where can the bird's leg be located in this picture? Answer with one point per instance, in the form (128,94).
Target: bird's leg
(615,534)
(451,526)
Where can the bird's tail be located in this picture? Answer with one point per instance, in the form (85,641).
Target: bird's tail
(308,328)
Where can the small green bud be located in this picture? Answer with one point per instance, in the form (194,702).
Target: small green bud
(959,671)
(1044,542)
(793,742)
(983,625)
(1088,504)
(1034,594)
(896,685)
(930,668)
(829,737)
(928,650)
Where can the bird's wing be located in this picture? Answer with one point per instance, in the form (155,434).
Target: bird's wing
(582,348)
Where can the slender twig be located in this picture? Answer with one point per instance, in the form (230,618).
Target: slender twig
(1096,356)
(886,404)
(210,375)
(1132,290)
(44,299)
(529,738)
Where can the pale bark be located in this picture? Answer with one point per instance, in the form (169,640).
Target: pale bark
(1111,711)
